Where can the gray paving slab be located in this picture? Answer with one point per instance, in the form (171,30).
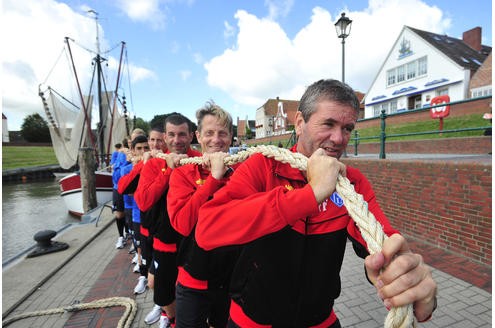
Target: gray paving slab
(460,304)
(58,279)
(458,301)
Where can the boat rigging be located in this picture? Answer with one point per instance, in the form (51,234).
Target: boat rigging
(70,118)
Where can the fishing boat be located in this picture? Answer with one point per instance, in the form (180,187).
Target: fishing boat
(70,114)
(71,191)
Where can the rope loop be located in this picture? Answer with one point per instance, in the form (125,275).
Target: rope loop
(124,322)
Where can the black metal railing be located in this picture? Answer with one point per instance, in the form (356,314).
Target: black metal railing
(383,136)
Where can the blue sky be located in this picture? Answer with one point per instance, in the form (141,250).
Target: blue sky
(182,53)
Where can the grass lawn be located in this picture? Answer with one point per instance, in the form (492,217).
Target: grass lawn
(16,157)
(449,123)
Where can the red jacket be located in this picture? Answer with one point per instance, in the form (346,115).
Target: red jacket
(288,272)
(154,181)
(190,187)
(128,183)
(150,196)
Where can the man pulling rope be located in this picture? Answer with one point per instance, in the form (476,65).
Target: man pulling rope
(292,227)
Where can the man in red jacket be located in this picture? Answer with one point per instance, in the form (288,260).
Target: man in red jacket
(202,299)
(294,227)
(150,197)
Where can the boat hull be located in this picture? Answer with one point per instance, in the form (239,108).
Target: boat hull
(70,188)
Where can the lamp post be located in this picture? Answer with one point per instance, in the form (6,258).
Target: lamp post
(343,28)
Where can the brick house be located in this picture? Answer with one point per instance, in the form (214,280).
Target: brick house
(275,117)
(481,82)
(241,129)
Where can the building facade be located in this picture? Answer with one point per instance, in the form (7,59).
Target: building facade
(275,117)
(422,65)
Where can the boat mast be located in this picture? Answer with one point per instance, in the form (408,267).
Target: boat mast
(87,117)
(114,107)
(101,123)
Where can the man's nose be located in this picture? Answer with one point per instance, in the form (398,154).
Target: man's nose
(337,136)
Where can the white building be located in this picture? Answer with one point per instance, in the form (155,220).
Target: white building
(5,129)
(422,65)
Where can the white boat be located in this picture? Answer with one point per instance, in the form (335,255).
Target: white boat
(71,192)
(69,114)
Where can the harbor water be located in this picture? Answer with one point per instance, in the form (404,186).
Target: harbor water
(27,208)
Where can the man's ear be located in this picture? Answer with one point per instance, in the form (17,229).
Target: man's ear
(299,123)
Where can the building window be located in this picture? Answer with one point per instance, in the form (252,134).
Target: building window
(389,107)
(393,106)
(411,70)
(384,107)
(401,76)
(376,110)
(422,66)
(442,91)
(391,77)
(482,91)
(407,71)
(417,102)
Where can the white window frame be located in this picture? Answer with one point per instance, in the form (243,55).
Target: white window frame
(411,70)
(391,77)
(401,74)
(442,91)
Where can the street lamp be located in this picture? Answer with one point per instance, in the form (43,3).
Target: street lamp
(343,28)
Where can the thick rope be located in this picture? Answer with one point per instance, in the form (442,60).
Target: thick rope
(371,230)
(124,322)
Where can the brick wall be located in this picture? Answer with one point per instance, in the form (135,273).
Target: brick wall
(464,145)
(444,204)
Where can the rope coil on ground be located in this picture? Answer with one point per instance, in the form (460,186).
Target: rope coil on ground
(124,322)
(371,230)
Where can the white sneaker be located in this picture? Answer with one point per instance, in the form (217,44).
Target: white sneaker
(136,268)
(164,322)
(120,243)
(141,285)
(135,259)
(154,315)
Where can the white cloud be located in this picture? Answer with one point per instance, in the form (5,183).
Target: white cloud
(229,30)
(147,11)
(185,74)
(278,8)
(198,58)
(136,73)
(29,55)
(265,63)
(238,70)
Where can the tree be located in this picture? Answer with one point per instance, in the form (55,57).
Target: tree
(158,120)
(248,132)
(142,124)
(35,129)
